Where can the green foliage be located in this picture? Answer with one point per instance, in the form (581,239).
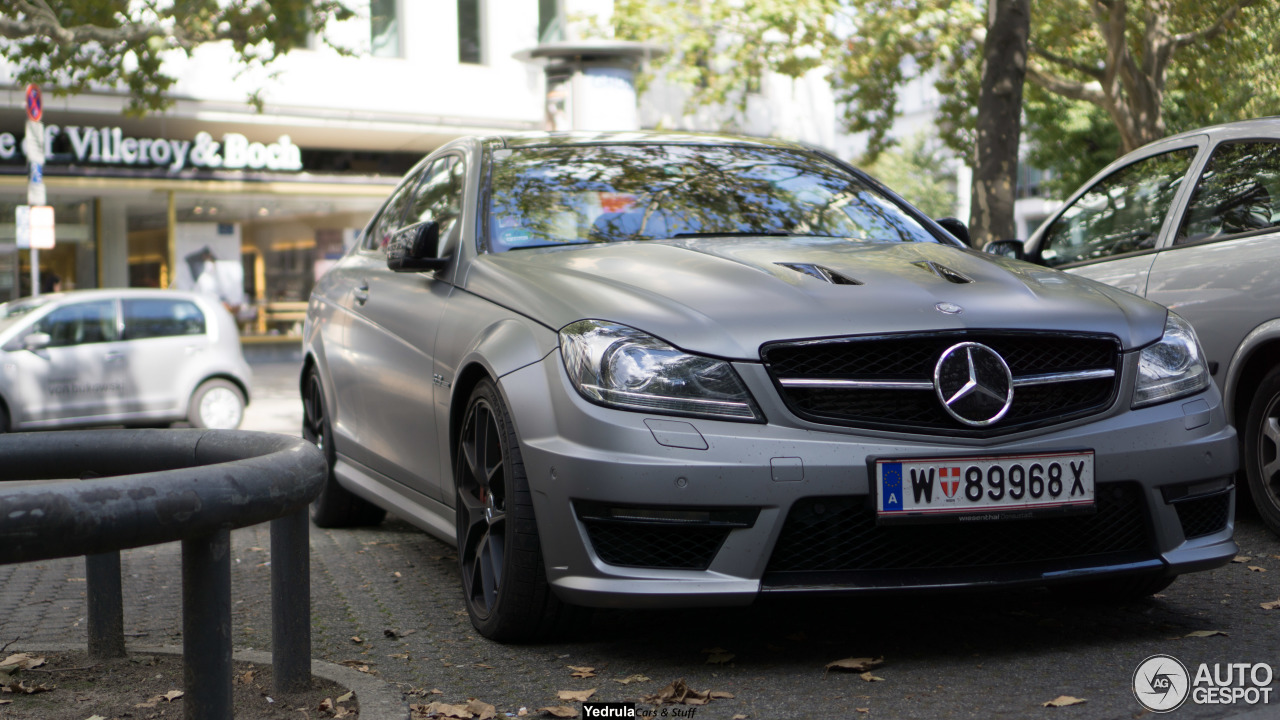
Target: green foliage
(69,46)
(919,171)
(871,48)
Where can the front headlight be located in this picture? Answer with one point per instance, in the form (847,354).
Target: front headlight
(619,366)
(1173,367)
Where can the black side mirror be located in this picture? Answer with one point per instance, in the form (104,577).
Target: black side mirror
(413,249)
(1006,248)
(956,227)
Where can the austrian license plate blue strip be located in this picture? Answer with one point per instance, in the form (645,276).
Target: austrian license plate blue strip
(973,486)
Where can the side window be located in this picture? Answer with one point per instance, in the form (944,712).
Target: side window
(388,221)
(1237,192)
(1121,214)
(161,318)
(440,197)
(80,324)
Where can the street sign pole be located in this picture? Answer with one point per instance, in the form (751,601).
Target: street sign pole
(33,147)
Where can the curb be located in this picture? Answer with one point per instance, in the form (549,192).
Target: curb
(379,700)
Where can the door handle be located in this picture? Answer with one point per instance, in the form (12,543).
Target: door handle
(113,356)
(362,292)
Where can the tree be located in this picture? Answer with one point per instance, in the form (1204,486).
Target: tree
(72,45)
(1114,72)
(999,122)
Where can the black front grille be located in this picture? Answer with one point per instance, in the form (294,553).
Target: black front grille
(655,546)
(1204,515)
(912,358)
(840,535)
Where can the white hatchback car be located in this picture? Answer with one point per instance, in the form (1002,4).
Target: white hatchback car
(120,356)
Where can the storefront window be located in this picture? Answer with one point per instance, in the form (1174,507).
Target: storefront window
(73,261)
(384,29)
(262,254)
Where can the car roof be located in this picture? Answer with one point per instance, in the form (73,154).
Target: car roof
(103,293)
(547,139)
(1253,128)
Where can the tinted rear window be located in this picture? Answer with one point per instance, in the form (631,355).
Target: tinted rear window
(161,318)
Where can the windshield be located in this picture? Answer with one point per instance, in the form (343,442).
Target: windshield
(12,312)
(611,193)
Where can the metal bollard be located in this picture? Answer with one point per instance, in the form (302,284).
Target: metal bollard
(206,626)
(105,605)
(291,603)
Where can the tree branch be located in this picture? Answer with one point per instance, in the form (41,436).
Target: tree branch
(1212,31)
(40,21)
(1089,92)
(1066,62)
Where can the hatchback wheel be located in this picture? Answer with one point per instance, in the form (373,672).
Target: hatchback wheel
(1262,449)
(335,506)
(503,577)
(217,405)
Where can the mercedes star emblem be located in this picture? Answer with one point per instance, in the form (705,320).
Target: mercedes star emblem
(974,384)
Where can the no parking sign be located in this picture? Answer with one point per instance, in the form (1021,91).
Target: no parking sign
(35,103)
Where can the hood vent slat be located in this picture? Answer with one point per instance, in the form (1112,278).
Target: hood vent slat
(944,272)
(824,274)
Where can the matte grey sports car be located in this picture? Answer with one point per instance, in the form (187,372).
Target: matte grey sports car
(642,370)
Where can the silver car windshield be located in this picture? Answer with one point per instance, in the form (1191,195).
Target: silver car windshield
(12,312)
(559,195)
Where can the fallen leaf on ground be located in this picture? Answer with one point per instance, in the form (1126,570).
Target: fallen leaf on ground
(439,709)
(1241,559)
(871,678)
(1271,605)
(399,656)
(22,688)
(581,671)
(679,692)
(632,679)
(1205,633)
(1257,568)
(858,665)
(20,661)
(326,705)
(173,695)
(559,711)
(482,666)
(346,697)
(96,717)
(481,709)
(358,666)
(576,695)
(1064,701)
(247,677)
(863,710)
(357,639)
(739,717)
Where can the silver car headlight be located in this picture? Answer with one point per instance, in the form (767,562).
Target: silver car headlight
(619,366)
(1173,367)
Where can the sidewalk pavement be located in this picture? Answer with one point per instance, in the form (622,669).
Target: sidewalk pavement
(43,607)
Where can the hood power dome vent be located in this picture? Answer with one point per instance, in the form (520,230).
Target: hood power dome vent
(822,273)
(944,272)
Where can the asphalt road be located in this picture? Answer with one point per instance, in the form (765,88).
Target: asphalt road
(388,598)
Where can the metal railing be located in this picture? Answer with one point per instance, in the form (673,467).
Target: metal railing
(130,488)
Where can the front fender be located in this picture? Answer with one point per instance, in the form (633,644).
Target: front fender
(1266,333)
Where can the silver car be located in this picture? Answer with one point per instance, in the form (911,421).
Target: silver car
(1193,222)
(644,370)
(112,357)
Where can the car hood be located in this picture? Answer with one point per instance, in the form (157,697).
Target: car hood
(728,296)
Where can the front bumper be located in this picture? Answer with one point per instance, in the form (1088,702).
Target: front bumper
(692,482)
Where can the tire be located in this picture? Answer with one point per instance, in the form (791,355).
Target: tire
(1262,449)
(1109,590)
(335,506)
(217,405)
(4,419)
(504,581)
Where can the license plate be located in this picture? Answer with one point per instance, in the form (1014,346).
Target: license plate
(980,488)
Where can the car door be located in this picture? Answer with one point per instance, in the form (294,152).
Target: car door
(1110,232)
(339,299)
(166,345)
(396,328)
(81,374)
(1221,271)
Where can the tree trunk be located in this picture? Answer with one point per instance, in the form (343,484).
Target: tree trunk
(1004,68)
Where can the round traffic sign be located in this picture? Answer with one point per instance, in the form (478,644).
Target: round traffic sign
(35,105)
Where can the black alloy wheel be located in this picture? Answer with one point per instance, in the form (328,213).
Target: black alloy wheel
(503,578)
(1262,449)
(335,506)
